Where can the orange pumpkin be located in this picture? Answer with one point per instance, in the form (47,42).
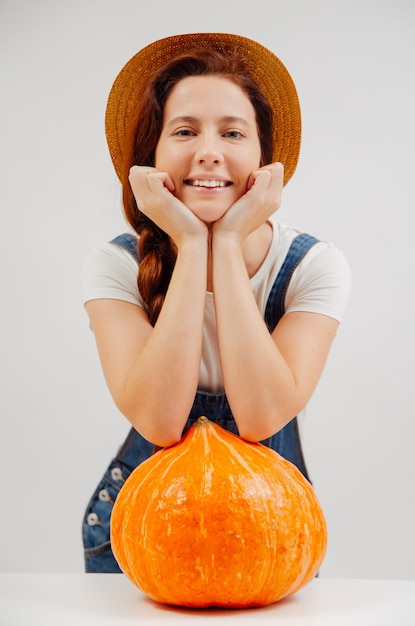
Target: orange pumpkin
(217,521)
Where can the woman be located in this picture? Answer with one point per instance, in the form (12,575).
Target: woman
(218,310)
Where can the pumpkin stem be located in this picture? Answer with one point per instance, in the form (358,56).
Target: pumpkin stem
(202,419)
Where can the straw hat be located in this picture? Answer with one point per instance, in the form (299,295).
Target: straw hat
(260,63)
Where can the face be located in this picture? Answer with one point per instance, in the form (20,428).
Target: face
(209,144)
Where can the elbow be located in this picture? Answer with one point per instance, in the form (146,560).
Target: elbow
(161,433)
(256,430)
(255,435)
(161,436)
(163,439)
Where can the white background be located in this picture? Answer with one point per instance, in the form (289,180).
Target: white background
(352,62)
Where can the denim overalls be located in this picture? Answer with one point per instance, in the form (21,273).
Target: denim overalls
(135,449)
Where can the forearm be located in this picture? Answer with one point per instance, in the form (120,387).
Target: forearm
(259,384)
(162,382)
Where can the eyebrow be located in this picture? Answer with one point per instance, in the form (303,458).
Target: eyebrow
(190,119)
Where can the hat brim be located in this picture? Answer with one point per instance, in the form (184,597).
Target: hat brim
(261,64)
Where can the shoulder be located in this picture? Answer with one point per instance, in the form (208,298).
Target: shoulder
(321,283)
(322,256)
(110,271)
(322,280)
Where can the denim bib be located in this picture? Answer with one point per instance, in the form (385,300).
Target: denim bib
(215,406)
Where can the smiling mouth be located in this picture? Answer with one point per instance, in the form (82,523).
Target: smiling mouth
(211,184)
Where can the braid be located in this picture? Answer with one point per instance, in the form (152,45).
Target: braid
(156,266)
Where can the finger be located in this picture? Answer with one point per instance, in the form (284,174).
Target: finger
(142,168)
(277,171)
(162,177)
(277,166)
(137,176)
(137,170)
(261,178)
(277,180)
(167,181)
(251,181)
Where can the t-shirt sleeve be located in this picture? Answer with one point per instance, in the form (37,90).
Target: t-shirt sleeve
(109,271)
(321,283)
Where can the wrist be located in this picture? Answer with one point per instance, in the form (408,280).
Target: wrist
(195,245)
(225,239)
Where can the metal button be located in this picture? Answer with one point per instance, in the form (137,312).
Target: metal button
(116,474)
(104,496)
(93,519)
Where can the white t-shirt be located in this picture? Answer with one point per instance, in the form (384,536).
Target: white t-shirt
(320,284)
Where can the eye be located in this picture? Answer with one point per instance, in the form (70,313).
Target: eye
(233,134)
(184,132)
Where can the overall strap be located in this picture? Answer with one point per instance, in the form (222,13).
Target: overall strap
(287,441)
(129,242)
(275,307)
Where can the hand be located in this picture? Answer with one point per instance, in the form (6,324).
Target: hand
(154,194)
(262,199)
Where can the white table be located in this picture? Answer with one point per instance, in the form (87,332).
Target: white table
(111,600)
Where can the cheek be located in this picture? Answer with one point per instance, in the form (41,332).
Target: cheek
(160,156)
(167,158)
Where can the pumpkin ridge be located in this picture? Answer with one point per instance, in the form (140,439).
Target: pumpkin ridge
(296,483)
(120,518)
(228,442)
(154,509)
(254,450)
(172,455)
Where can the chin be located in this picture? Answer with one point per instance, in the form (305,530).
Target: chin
(209,215)
(210,211)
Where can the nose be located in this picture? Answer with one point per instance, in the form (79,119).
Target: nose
(208,151)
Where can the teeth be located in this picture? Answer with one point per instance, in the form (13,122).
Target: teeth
(208,183)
